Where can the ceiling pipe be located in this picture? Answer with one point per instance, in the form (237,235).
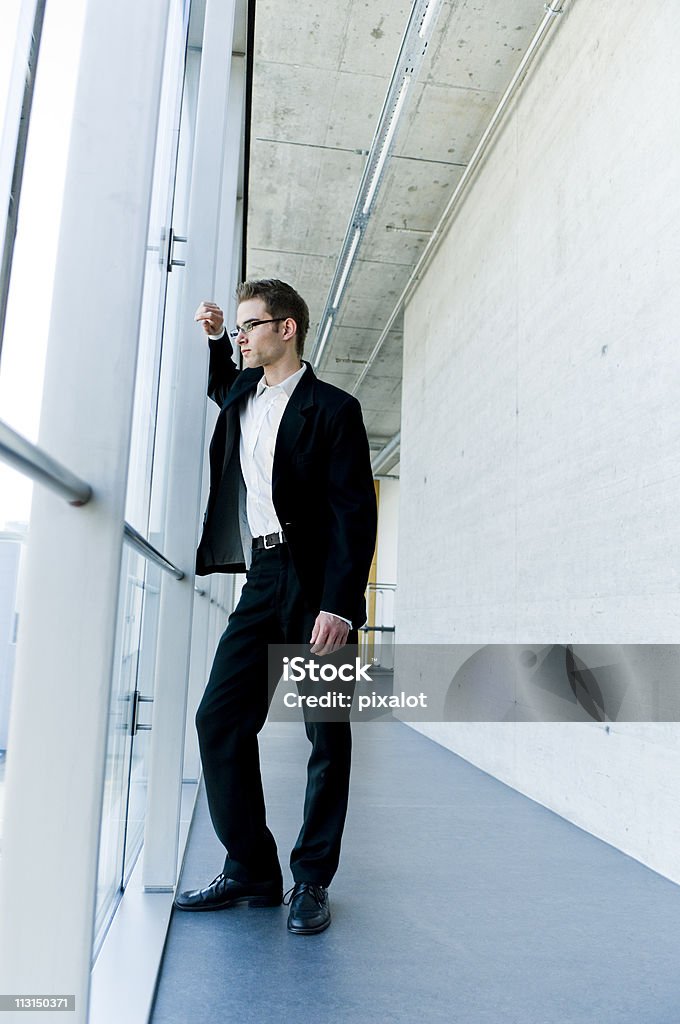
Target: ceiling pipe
(383,460)
(411,56)
(551,13)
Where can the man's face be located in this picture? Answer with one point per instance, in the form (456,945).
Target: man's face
(265,344)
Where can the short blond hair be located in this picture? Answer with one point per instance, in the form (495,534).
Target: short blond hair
(281,300)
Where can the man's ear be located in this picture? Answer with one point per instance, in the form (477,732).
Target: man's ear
(289,328)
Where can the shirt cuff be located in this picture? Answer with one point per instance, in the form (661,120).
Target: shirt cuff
(216,337)
(335,615)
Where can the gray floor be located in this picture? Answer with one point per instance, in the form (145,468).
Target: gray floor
(457,900)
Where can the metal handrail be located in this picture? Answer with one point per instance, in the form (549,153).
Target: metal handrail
(142,545)
(34,462)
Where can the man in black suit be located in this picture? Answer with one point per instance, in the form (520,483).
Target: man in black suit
(292,500)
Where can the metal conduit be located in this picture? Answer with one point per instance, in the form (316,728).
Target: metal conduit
(387,456)
(551,13)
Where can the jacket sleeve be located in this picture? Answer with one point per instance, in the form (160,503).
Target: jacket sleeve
(353,512)
(222,371)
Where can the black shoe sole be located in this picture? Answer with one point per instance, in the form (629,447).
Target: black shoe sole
(310,931)
(252,901)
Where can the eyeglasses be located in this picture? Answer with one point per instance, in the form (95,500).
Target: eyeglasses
(249,325)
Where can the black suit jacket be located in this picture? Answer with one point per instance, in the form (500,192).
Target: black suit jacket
(322,487)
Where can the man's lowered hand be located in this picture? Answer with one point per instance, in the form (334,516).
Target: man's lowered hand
(329,634)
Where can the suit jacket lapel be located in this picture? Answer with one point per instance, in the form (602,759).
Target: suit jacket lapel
(294,417)
(229,414)
(245,382)
(292,422)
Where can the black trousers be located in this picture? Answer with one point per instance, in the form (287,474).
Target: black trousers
(271,610)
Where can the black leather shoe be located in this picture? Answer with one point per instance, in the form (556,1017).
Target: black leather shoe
(309,910)
(225,892)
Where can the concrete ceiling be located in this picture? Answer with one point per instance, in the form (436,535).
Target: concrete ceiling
(321,74)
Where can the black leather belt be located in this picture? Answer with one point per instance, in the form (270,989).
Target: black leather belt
(270,540)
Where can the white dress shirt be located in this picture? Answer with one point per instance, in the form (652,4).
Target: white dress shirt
(261,416)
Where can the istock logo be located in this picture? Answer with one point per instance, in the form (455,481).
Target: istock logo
(295,670)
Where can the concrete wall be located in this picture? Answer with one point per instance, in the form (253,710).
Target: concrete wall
(541,412)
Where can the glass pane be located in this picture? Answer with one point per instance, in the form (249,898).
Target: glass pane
(138,772)
(127,758)
(174,330)
(11,547)
(156,278)
(31,282)
(13,56)
(32,275)
(9,20)
(119,740)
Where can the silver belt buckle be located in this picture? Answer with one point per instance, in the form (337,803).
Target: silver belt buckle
(268,547)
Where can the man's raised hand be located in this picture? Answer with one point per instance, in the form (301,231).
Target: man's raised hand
(211,317)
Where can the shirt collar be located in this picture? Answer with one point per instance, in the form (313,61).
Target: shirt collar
(288,385)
